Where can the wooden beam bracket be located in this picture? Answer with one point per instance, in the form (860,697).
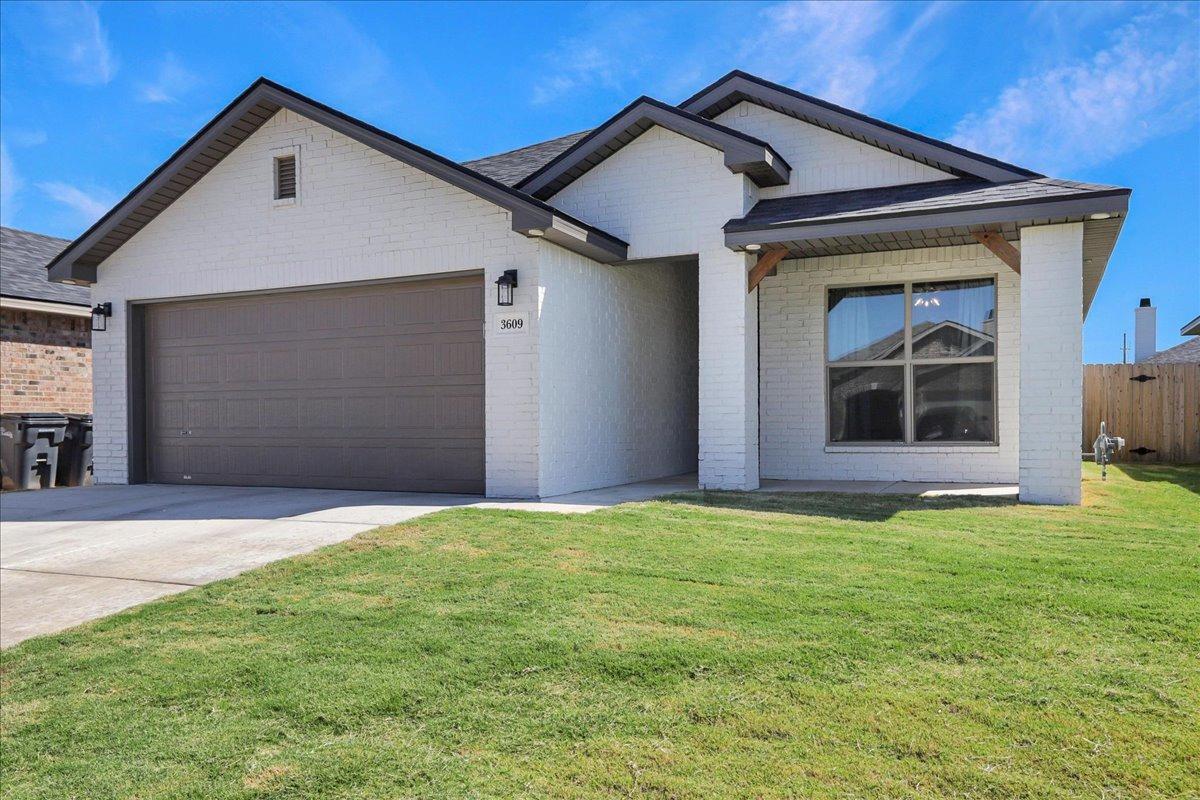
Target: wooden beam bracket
(766,264)
(1000,247)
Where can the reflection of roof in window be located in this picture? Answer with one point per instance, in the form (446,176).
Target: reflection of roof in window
(893,344)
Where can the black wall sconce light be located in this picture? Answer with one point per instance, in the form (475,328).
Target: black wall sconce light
(100,315)
(504,287)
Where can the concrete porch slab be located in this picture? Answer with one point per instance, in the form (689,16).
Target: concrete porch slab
(592,499)
(892,487)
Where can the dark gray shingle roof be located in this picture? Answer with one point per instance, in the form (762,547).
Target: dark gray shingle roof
(23,260)
(1186,353)
(513,166)
(911,198)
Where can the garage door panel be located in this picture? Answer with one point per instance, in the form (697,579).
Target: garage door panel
(280,317)
(367,311)
(243,319)
(464,305)
(378,388)
(243,414)
(459,464)
(322,364)
(460,412)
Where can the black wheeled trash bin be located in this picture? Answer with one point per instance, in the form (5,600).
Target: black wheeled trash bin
(29,449)
(75,452)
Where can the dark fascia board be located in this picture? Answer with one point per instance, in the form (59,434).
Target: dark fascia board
(743,153)
(860,126)
(1109,202)
(530,216)
(1191,329)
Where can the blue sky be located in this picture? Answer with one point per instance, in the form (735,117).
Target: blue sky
(93,96)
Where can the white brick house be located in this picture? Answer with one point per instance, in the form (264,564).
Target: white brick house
(751,284)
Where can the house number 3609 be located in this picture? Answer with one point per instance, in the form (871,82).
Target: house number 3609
(512,322)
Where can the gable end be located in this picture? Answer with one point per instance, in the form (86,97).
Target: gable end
(245,115)
(737,87)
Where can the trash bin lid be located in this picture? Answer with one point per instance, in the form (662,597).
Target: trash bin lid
(37,417)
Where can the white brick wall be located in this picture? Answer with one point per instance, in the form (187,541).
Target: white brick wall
(821,160)
(792,320)
(361,215)
(728,372)
(1052,359)
(618,372)
(663,193)
(668,195)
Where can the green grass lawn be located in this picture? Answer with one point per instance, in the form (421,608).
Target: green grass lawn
(720,645)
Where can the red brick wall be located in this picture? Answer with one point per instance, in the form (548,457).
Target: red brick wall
(45,362)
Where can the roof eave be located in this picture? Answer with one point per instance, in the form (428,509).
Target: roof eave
(852,123)
(1116,203)
(70,266)
(742,153)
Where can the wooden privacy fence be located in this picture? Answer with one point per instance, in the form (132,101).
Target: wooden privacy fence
(1154,407)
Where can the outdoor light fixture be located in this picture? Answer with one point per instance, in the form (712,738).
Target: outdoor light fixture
(504,287)
(753,247)
(100,315)
(1100,216)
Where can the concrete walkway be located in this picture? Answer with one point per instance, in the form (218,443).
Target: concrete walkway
(72,555)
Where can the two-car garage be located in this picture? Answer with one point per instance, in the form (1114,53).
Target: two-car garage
(374,386)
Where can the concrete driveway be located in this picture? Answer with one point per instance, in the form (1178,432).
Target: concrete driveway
(71,555)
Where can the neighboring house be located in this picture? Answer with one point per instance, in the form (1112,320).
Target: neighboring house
(45,331)
(302,299)
(1187,352)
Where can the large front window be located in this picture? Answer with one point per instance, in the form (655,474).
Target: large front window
(912,362)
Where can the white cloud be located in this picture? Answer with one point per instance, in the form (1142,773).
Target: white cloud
(170,84)
(855,54)
(26,137)
(846,53)
(1085,113)
(836,66)
(10,186)
(74,39)
(89,206)
(619,42)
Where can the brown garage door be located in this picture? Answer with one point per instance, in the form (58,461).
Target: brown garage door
(369,387)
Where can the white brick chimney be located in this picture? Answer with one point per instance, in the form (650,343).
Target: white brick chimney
(1145,324)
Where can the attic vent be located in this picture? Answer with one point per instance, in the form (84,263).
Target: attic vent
(285,177)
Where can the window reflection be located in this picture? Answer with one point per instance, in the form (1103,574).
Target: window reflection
(866,404)
(954,403)
(954,319)
(866,323)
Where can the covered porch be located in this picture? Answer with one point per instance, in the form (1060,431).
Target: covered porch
(927,333)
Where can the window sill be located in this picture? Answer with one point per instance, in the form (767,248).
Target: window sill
(910,449)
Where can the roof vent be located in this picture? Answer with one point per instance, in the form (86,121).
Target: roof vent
(285,177)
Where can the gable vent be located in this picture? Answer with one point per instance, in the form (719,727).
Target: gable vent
(285,177)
